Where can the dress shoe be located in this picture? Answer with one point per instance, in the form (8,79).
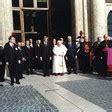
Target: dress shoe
(1,85)
(75,72)
(44,75)
(61,74)
(17,82)
(12,84)
(69,73)
(56,74)
(22,77)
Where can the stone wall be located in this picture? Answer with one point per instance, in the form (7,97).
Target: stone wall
(6,20)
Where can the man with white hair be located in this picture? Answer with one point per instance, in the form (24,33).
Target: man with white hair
(59,65)
(71,56)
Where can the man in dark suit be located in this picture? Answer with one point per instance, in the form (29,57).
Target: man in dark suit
(2,64)
(22,58)
(46,56)
(28,57)
(32,51)
(97,58)
(11,59)
(71,56)
(38,54)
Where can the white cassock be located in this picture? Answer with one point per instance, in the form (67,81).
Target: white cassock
(59,65)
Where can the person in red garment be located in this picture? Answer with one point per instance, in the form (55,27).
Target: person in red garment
(105,44)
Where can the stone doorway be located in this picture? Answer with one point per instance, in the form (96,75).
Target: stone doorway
(61,20)
(109,23)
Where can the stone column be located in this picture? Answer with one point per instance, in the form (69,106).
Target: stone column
(1,19)
(78,10)
(6,19)
(85,18)
(98,18)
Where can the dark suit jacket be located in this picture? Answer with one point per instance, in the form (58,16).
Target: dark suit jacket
(71,52)
(1,53)
(28,53)
(46,51)
(38,50)
(11,54)
(32,51)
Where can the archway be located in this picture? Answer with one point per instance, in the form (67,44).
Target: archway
(109,23)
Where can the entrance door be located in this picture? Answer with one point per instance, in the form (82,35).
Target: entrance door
(61,18)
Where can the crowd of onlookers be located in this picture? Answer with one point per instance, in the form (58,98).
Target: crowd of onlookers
(29,57)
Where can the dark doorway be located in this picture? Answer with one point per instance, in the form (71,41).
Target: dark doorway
(109,19)
(61,24)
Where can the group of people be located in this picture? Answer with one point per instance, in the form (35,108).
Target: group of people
(56,57)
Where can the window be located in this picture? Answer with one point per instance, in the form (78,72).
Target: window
(28,3)
(15,3)
(27,20)
(35,22)
(16,20)
(42,3)
(30,18)
(109,1)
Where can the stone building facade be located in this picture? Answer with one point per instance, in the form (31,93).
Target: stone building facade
(91,16)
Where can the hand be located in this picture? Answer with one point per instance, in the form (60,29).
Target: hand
(19,61)
(0,63)
(76,57)
(50,58)
(23,59)
(7,63)
(66,58)
(41,58)
(101,58)
(36,57)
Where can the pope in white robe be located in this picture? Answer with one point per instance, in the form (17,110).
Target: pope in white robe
(59,65)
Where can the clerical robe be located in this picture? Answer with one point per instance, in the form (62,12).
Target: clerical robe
(109,59)
(59,65)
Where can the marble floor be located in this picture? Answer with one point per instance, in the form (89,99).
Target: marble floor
(57,90)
